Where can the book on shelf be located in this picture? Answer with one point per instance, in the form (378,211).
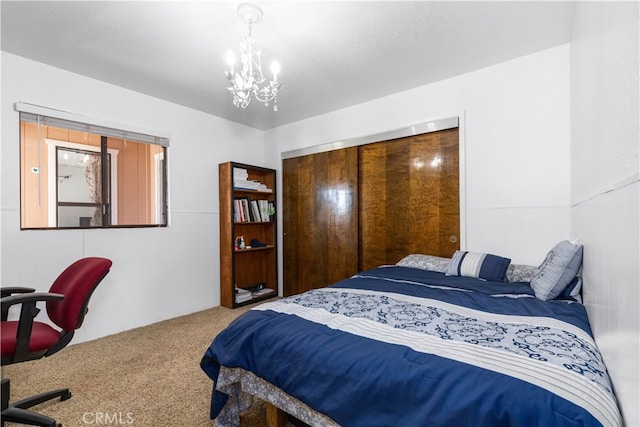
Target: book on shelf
(243,295)
(251,185)
(255,211)
(240,174)
(264,210)
(263,291)
(237,211)
(247,210)
(241,181)
(240,213)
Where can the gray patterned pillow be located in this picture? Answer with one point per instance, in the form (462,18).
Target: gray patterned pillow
(558,269)
(425,262)
(520,273)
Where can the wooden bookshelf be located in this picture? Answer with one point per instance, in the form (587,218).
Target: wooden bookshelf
(248,268)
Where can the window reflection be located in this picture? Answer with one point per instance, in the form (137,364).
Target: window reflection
(71,179)
(79,192)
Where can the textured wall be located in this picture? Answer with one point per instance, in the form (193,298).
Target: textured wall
(605,134)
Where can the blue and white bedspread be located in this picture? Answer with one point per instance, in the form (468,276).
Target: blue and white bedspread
(402,346)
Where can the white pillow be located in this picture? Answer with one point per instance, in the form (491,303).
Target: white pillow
(558,269)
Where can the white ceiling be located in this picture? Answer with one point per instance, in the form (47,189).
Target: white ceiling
(332,54)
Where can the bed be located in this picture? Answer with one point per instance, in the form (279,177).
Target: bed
(428,341)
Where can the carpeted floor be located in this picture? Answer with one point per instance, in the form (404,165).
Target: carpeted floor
(146,377)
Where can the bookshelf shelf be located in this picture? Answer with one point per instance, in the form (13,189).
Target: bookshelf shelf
(264,248)
(248,213)
(245,190)
(253,222)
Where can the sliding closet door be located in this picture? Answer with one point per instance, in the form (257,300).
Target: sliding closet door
(409,198)
(320,219)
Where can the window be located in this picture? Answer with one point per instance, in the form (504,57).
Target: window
(81,174)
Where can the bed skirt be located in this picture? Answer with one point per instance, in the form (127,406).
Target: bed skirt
(241,386)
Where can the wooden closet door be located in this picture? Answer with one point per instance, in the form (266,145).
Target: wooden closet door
(409,198)
(320,219)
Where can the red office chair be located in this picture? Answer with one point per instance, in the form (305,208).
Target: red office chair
(27,339)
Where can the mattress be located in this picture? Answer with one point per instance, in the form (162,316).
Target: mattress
(404,346)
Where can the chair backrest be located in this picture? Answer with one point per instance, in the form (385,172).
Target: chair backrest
(77,283)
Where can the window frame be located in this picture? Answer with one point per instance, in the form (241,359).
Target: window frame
(155,160)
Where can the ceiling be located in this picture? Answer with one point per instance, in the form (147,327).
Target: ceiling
(332,54)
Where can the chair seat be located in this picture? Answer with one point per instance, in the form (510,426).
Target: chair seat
(43,337)
(66,304)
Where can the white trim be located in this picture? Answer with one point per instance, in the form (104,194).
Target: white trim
(462,178)
(514,207)
(621,183)
(158,160)
(52,144)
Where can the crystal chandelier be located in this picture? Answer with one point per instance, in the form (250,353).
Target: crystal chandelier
(249,81)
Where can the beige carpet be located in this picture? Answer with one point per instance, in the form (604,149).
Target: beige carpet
(146,377)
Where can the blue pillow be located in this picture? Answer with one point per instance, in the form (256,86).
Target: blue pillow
(480,265)
(573,292)
(559,268)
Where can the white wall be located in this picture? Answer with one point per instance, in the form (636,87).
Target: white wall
(515,125)
(517,121)
(158,273)
(605,135)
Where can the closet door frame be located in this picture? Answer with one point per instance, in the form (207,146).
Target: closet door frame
(435,125)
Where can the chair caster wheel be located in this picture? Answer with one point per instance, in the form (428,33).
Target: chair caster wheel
(65,396)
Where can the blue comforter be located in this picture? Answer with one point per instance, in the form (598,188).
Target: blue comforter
(402,346)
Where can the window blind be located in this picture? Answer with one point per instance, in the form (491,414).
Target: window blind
(66,120)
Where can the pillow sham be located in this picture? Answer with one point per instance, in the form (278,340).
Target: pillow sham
(425,262)
(558,269)
(520,273)
(573,291)
(479,265)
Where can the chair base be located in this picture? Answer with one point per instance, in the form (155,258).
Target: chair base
(17,412)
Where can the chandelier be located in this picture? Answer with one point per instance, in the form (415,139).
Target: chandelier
(249,82)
